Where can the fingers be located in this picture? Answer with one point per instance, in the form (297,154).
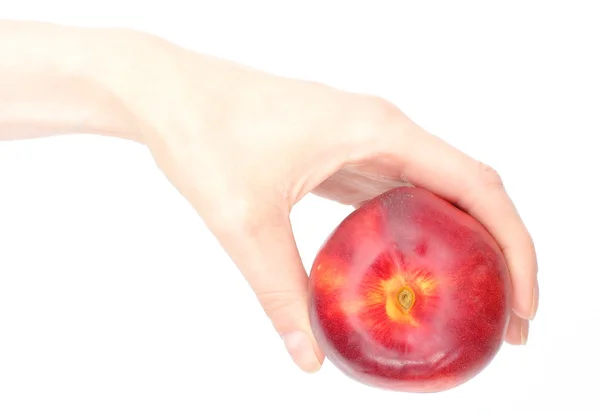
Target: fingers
(265,251)
(518,330)
(433,164)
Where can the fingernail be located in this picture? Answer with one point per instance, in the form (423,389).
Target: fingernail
(534,301)
(300,347)
(524,331)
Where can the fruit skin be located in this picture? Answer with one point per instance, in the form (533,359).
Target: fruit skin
(409,243)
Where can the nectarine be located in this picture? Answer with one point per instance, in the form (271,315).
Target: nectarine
(410,293)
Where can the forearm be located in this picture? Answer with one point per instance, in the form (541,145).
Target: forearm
(58,80)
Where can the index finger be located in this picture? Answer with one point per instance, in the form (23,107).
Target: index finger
(430,163)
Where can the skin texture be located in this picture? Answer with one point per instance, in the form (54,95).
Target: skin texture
(244,146)
(410,293)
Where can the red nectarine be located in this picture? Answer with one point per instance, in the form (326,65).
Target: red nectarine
(410,293)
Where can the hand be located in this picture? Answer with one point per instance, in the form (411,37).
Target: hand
(244,147)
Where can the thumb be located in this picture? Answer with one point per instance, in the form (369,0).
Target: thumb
(265,251)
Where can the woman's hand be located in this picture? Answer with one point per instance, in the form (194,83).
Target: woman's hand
(244,147)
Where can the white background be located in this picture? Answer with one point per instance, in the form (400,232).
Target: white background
(115,298)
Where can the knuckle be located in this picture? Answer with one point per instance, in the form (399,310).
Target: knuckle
(488,177)
(281,307)
(378,110)
(380,107)
(482,180)
(278,301)
(374,114)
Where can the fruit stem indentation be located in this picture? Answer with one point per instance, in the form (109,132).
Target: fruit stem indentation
(406,298)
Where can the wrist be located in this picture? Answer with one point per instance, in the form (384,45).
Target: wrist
(149,78)
(57,80)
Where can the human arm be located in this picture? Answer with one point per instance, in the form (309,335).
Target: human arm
(244,146)
(56,80)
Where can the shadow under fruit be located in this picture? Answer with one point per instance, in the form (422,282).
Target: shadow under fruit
(410,293)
